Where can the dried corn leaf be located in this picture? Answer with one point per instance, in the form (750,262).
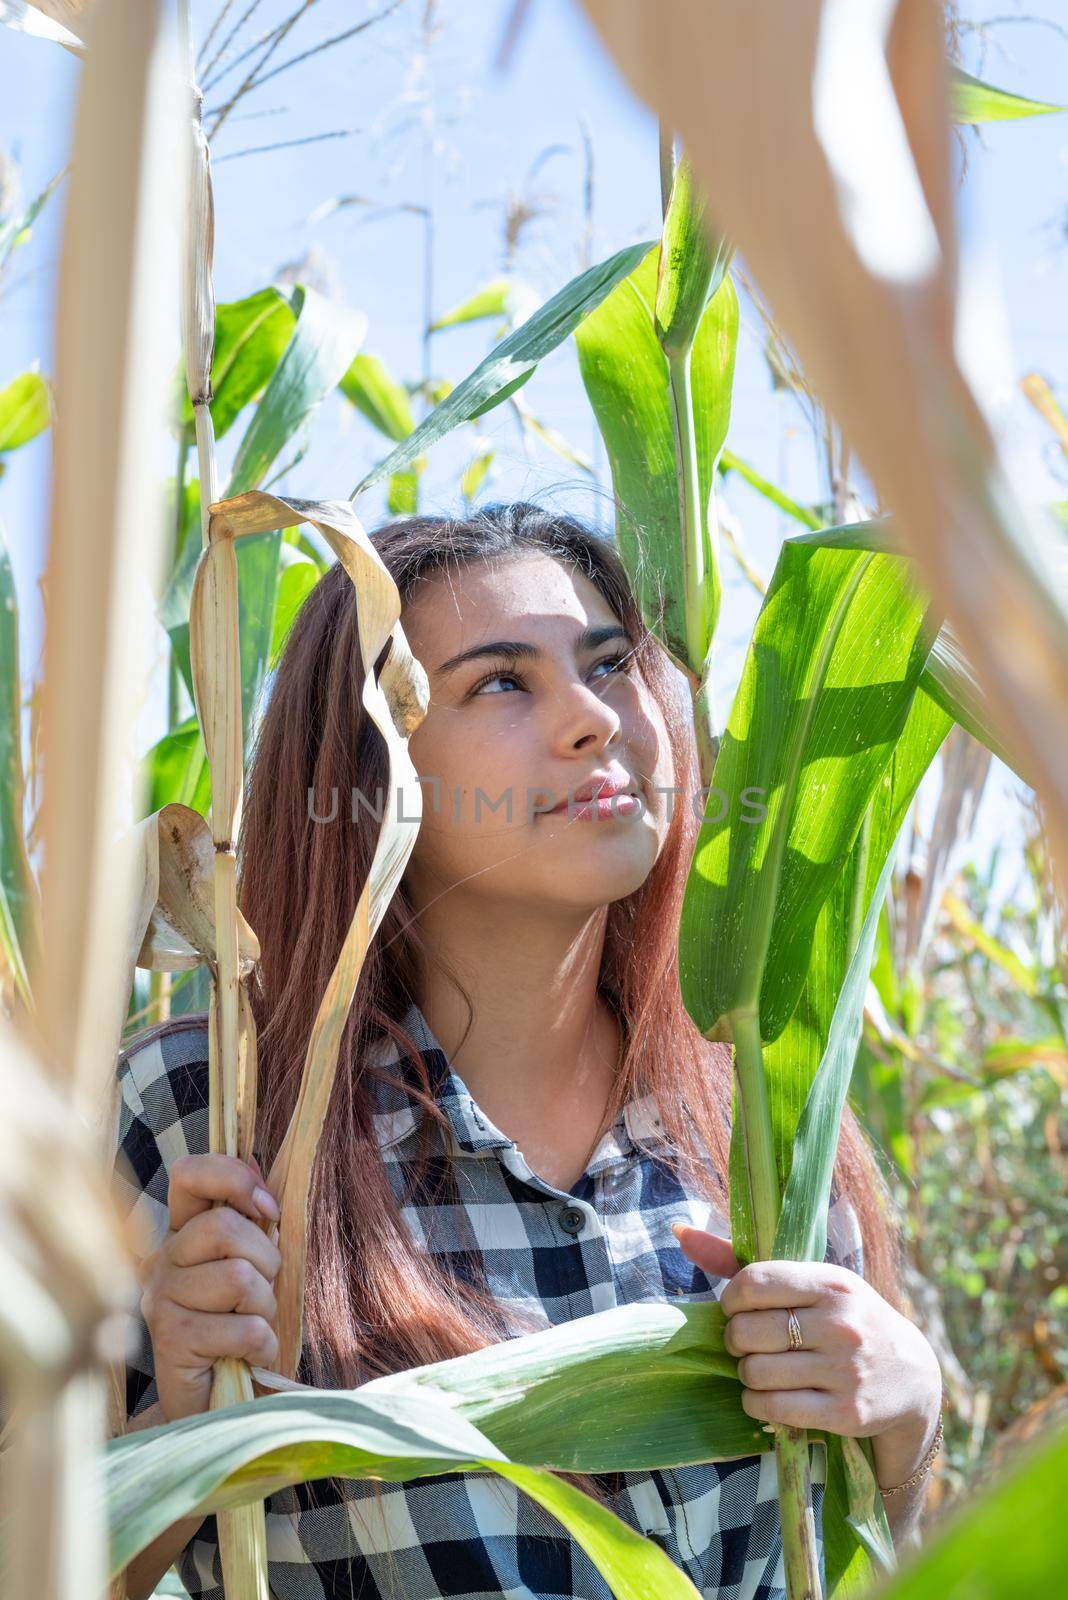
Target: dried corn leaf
(396,701)
(173,915)
(38,20)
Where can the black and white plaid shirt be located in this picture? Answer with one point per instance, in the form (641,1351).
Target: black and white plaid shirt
(605,1242)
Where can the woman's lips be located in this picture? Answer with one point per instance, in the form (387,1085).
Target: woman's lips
(623,803)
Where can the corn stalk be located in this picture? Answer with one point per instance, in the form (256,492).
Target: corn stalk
(215,660)
(691,265)
(66,1263)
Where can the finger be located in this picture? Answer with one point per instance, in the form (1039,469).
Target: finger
(749,1332)
(709,1251)
(219,1234)
(797,1369)
(791,1408)
(198,1338)
(230,1285)
(196,1182)
(767,1285)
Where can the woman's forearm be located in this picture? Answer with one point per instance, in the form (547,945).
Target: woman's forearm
(145,1570)
(899,1454)
(903,1515)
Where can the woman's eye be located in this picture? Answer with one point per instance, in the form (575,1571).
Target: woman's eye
(615,662)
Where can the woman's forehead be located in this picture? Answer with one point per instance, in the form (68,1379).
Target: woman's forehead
(536,594)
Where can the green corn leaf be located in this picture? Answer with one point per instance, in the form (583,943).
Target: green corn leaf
(16,231)
(492,300)
(176,768)
(244,1453)
(879,1099)
(729,462)
(691,264)
(402,497)
(949,680)
(625,373)
(510,363)
(802,1230)
(792,1060)
(474,474)
(975,101)
(375,393)
(661,1373)
(250,338)
(880,535)
(635,1388)
(258,568)
(297,578)
(947,677)
(502,395)
(1007,1540)
(25,410)
(658,1369)
(319,353)
(858,1544)
(828,680)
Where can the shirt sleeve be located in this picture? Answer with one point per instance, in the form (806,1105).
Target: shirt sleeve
(845,1243)
(162,1115)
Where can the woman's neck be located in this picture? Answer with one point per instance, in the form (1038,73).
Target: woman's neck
(542,1036)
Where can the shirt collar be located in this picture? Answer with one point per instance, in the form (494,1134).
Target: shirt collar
(396,1114)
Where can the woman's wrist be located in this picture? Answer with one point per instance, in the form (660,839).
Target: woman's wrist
(908,1447)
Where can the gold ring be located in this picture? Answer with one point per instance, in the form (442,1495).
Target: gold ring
(794,1330)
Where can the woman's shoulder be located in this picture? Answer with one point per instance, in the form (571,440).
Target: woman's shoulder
(177,1041)
(163,1107)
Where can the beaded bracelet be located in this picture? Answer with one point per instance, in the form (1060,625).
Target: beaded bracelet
(925,1465)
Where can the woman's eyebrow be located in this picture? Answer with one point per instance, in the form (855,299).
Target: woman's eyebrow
(516,650)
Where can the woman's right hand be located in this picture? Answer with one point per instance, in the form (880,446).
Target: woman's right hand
(207,1289)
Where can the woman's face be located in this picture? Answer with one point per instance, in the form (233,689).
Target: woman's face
(506,739)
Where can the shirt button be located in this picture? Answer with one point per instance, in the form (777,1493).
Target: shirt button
(658,1538)
(571,1219)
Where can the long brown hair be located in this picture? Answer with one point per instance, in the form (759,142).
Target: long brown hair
(373,1302)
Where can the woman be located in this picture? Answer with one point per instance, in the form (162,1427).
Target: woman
(524,1113)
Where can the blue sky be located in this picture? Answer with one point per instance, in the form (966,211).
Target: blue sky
(445,128)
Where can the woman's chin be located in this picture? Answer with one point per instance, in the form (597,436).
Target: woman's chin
(606,864)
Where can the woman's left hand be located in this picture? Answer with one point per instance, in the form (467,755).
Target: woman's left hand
(864,1369)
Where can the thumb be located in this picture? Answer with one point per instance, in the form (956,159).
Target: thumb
(709,1251)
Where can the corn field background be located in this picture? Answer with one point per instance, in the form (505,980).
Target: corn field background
(389,195)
